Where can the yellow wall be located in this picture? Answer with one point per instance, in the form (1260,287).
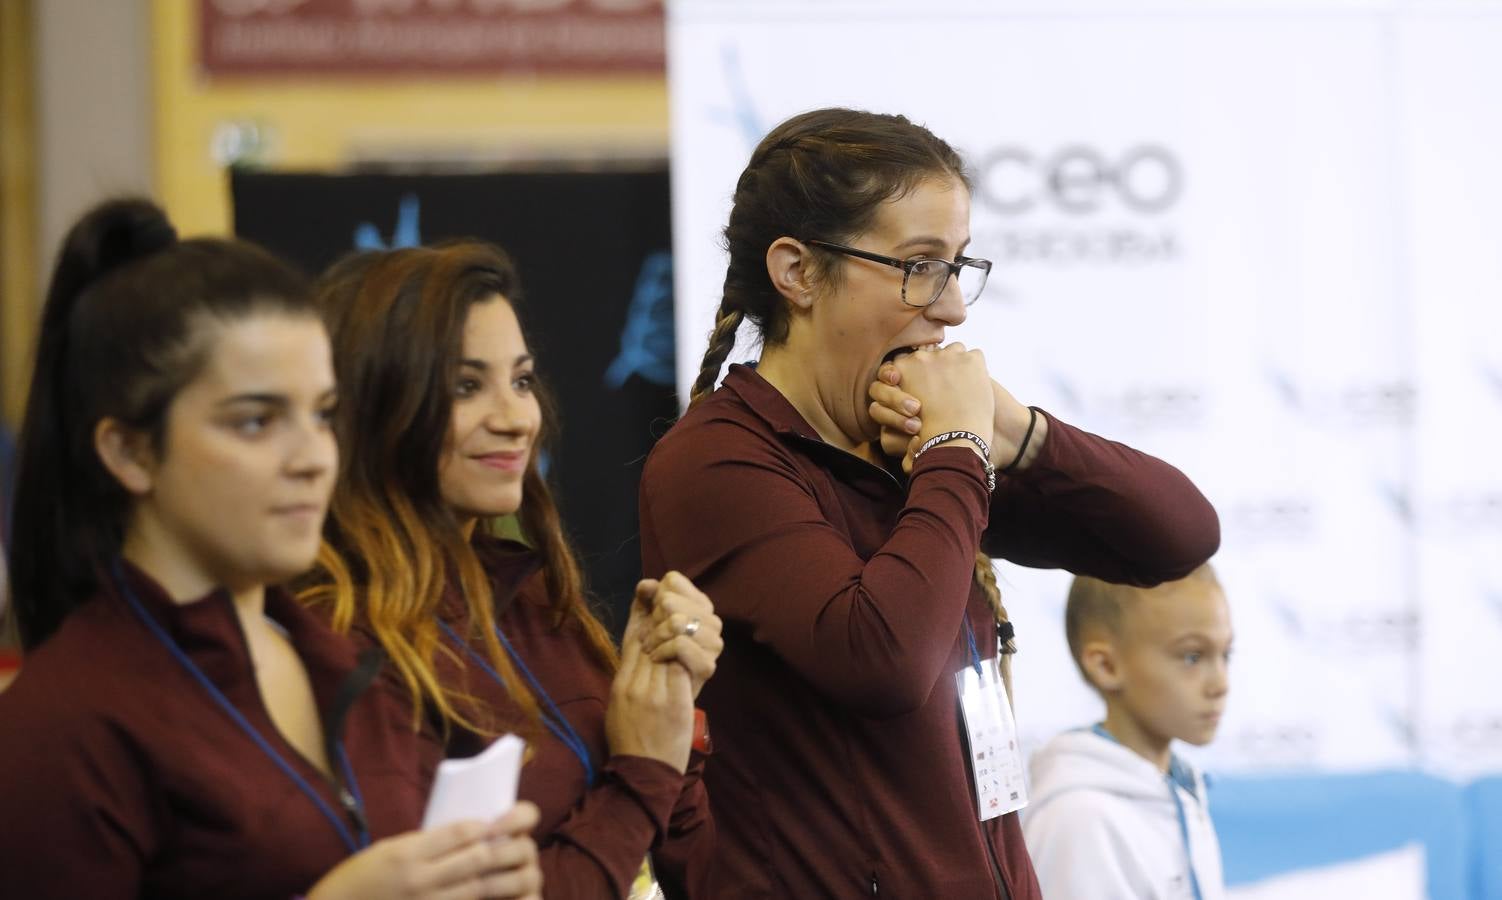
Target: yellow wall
(319,126)
(18,218)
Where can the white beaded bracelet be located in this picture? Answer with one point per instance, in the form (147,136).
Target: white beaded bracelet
(977,440)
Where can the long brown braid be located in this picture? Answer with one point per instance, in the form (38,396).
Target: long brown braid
(721,342)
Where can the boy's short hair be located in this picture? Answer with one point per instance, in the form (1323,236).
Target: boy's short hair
(1100,603)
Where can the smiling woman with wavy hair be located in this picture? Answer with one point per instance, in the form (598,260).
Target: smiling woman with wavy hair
(444,418)
(392,546)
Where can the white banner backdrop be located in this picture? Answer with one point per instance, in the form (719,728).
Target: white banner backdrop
(1261,241)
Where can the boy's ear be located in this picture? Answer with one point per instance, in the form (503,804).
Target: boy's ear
(126,454)
(1100,662)
(788,265)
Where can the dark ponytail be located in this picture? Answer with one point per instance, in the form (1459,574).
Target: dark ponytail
(121,332)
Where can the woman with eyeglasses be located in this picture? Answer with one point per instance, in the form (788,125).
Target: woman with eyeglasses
(840,500)
(181,727)
(440,396)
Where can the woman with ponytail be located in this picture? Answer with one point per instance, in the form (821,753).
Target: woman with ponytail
(841,501)
(182,727)
(440,399)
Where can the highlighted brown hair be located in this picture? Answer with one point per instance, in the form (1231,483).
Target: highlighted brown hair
(391,544)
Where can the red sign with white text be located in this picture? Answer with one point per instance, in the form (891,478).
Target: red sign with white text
(406,37)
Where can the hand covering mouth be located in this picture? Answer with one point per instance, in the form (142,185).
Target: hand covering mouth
(903,351)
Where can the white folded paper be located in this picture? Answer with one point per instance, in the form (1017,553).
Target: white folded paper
(481,787)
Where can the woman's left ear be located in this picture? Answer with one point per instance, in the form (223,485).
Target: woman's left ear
(788,267)
(127,454)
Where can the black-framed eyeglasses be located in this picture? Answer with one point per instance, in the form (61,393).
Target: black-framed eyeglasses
(924,278)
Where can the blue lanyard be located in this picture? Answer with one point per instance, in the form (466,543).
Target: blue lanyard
(356,842)
(1178,805)
(970,638)
(1175,777)
(552,717)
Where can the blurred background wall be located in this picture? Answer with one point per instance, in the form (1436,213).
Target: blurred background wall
(113,97)
(1260,241)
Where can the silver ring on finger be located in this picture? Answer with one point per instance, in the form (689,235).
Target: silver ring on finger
(692,628)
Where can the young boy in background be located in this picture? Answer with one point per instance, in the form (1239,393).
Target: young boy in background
(1114,813)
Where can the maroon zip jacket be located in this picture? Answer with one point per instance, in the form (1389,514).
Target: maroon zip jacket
(121,777)
(840,767)
(592,840)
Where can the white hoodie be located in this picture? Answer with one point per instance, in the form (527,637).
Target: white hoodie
(1103,824)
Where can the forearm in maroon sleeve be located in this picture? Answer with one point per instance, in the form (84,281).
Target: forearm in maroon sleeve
(682,861)
(1100,508)
(872,635)
(597,851)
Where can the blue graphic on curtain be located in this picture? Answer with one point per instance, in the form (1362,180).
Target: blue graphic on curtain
(647,339)
(741,113)
(405,234)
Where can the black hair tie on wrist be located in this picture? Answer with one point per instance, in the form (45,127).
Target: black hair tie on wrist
(1032,420)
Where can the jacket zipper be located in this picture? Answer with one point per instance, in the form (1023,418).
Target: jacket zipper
(354,685)
(352,809)
(846,453)
(351,689)
(1002,891)
(1001,883)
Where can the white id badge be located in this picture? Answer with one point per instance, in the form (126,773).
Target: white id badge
(995,758)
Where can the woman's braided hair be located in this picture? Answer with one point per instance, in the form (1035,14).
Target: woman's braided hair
(822,174)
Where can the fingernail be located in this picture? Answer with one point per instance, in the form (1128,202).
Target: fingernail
(910,407)
(913,425)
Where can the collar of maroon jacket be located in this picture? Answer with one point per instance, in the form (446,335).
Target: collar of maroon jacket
(208,629)
(767,402)
(507,563)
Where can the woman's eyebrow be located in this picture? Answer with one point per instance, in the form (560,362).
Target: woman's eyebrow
(269,399)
